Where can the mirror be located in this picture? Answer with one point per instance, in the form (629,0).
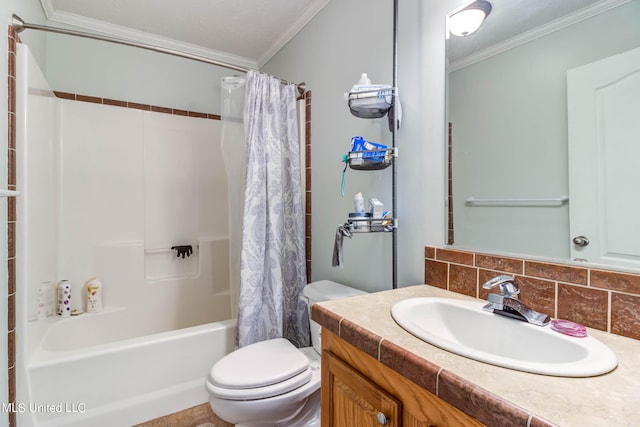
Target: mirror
(511,180)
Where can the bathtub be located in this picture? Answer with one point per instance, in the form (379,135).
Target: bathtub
(90,373)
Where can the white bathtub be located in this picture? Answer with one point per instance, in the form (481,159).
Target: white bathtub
(76,380)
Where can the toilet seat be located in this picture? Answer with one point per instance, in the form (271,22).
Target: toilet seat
(261,392)
(264,369)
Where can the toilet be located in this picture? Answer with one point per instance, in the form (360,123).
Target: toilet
(272,383)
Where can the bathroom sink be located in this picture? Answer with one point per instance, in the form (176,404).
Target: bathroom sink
(462,327)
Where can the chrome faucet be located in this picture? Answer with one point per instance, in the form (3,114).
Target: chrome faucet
(508,288)
(507,303)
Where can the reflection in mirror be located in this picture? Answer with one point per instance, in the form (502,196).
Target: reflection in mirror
(510,133)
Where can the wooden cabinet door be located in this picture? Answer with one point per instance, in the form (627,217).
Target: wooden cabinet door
(351,400)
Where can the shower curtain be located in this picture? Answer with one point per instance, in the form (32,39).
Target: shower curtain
(272,253)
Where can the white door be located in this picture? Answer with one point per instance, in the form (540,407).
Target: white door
(604,160)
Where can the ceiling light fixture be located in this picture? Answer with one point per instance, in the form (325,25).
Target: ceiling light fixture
(469,18)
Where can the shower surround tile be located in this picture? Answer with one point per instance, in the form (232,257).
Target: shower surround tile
(450,227)
(11,222)
(307,172)
(195,415)
(192,416)
(116,103)
(134,105)
(85,98)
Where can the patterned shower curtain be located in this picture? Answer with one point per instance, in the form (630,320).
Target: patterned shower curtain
(272,260)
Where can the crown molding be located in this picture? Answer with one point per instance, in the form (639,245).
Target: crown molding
(294,29)
(536,33)
(47,7)
(101,27)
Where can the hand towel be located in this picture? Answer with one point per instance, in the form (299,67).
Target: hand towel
(341,231)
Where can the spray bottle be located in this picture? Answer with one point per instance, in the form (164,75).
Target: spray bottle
(64,298)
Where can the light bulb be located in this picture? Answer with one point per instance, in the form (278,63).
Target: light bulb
(469,19)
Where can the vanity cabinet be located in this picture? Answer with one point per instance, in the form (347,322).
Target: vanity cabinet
(353,400)
(357,390)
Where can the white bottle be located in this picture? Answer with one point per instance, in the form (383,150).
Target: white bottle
(46,300)
(364,80)
(94,295)
(362,83)
(358,202)
(64,298)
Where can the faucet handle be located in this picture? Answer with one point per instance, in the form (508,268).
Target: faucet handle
(508,288)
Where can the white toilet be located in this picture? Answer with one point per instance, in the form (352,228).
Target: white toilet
(273,383)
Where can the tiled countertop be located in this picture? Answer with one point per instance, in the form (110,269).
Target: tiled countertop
(493,395)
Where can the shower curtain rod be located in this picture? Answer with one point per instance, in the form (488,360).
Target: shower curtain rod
(19,25)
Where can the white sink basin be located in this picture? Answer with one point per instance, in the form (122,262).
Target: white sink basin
(462,327)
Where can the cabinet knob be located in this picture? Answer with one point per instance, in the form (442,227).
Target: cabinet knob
(382,419)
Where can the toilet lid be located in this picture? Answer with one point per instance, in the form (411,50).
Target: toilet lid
(259,365)
(256,393)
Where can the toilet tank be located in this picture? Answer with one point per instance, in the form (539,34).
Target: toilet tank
(325,290)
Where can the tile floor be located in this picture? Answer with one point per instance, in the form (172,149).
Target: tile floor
(198,416)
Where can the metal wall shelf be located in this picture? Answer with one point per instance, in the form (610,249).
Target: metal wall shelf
(372,159)
(371,104)
(372,225)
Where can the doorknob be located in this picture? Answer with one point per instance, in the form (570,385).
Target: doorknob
(580,241)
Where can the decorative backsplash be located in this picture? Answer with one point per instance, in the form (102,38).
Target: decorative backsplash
(600,299)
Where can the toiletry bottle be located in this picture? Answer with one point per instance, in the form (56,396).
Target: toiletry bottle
(94,295)
(64,298)
(45,300)
(364,81)
(358,202)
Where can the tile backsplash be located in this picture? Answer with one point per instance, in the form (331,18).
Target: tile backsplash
(600,299)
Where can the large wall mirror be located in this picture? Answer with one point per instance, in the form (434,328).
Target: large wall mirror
(544,109)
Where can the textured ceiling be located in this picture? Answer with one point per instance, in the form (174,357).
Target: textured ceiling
(243,32)
(249,32)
